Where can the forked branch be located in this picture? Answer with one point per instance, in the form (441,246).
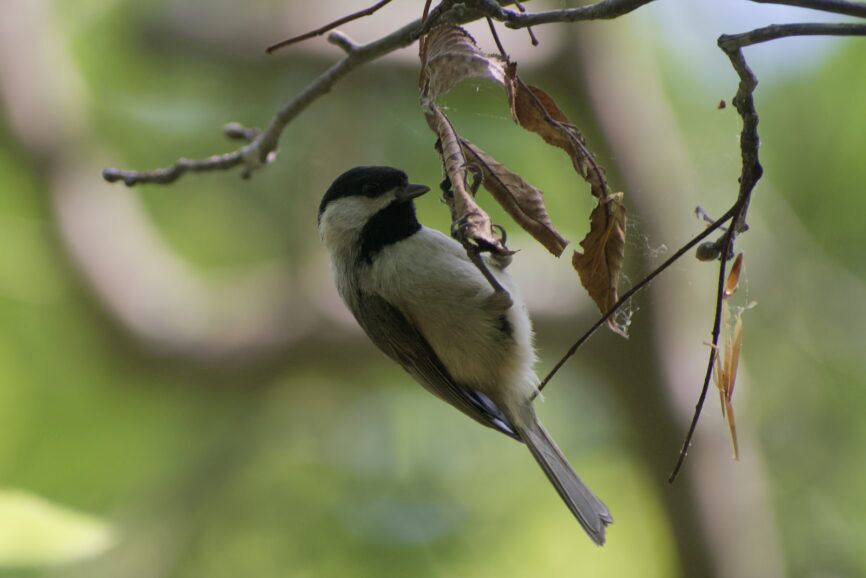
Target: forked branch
(262,150)
(751,171)
(732,42)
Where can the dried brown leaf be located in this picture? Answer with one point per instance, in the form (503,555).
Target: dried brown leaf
(726,366)
(521,200)
(470,224)
(735,345)
(536,111)
(600,264)
(452,57)
(733,280)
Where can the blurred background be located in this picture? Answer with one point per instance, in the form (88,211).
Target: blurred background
(183,395)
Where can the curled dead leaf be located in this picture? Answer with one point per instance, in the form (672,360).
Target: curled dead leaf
(470,224)
(536,111)
(600,264)
(452,57)
(521,200)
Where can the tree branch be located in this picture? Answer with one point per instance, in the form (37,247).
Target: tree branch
(179,168)
(262,149)
(738,213)
(846,7)
(339,39)
(732,42)
(603,10)
(751,171)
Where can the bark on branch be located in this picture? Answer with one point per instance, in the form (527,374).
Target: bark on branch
(846,7)
(604,10)
(263,148)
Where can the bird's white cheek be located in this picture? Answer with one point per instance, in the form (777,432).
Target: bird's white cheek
(338,233)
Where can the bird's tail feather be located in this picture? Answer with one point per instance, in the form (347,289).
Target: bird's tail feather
(589,510)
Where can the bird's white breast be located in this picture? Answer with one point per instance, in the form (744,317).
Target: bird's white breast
(431,280)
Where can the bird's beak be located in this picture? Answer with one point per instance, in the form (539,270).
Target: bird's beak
(410,191)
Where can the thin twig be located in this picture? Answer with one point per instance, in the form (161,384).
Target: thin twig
(261,150)
(237,131)
(702,214)
(750,174)
(328,27)
(717,327)
(339,39)
(422,48)
(603,10)
(532,37)
(729,42)
(498,42)
(836,6)
(630,293)
(178,169)
(232,130)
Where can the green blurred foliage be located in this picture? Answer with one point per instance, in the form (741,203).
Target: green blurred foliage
(823,119)
(37,533)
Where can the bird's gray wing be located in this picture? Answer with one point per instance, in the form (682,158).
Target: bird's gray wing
(395,335)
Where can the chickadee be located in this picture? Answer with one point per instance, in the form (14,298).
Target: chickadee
(422,302)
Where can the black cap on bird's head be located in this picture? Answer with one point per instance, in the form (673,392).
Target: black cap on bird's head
(371,182)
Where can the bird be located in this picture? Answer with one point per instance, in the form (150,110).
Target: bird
(420,299)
